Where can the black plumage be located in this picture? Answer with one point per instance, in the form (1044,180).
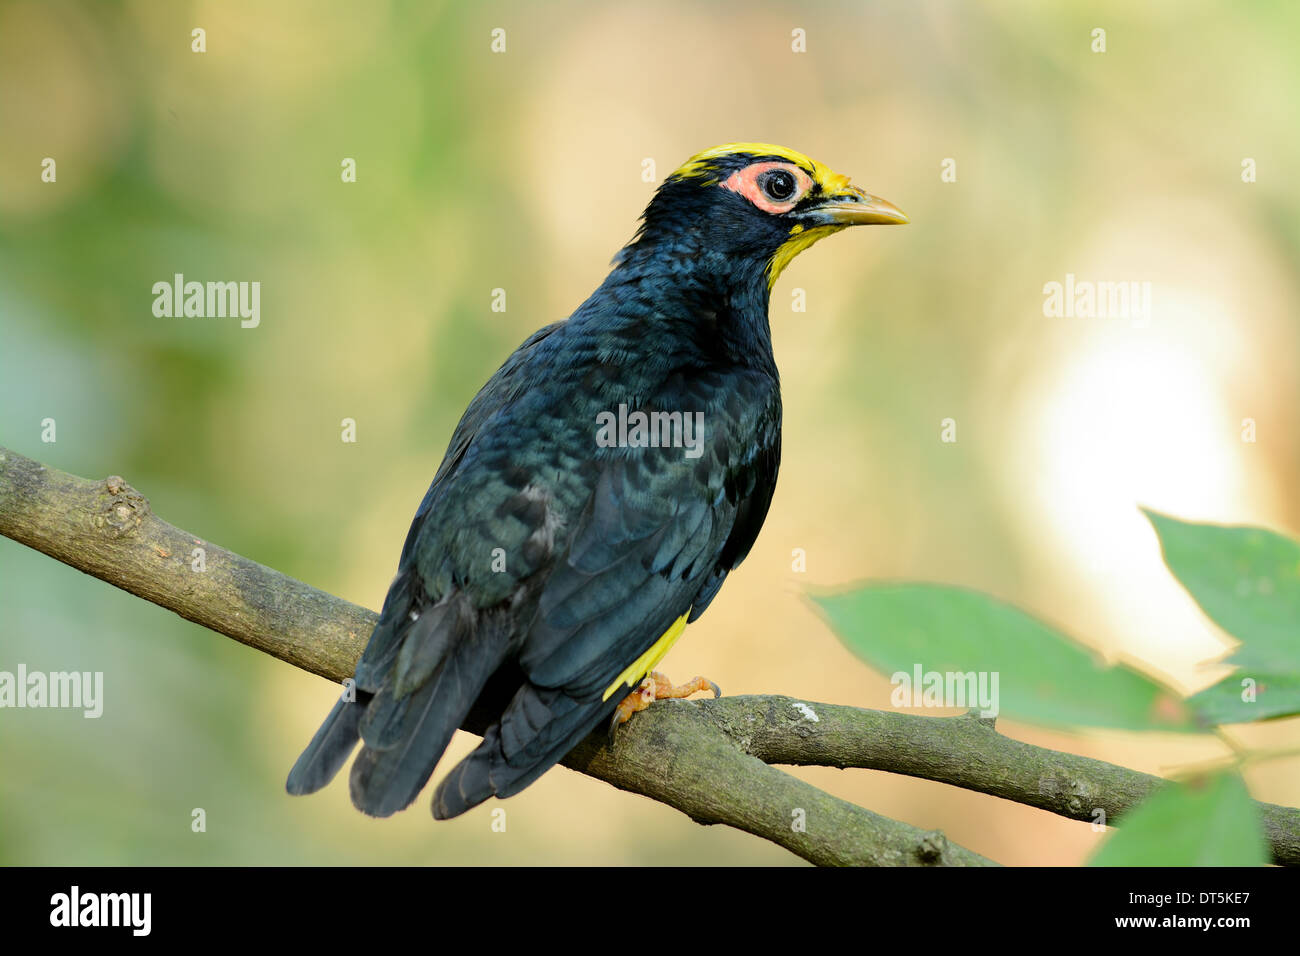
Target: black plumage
(541,564)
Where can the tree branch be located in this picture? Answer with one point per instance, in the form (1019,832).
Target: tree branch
(709,759)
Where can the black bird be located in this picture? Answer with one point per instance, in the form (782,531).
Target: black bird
(597,492)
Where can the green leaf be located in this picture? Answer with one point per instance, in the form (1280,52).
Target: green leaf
(1246,580)
(1210,823)
(1042,675)
(1243,697)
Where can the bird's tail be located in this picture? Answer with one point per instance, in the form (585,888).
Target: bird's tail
(404,737)
(422,674)
(539,727)
(330,748)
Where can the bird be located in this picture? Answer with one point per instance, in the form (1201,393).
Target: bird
(593,499)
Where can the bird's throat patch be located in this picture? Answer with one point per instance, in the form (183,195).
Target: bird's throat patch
(644,664)
(800,239)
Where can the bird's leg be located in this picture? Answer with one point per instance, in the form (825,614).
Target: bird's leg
(665,689)
(656,687)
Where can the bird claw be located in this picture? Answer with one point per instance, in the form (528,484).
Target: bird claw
(656,687)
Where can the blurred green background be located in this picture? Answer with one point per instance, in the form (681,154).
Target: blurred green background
(522,171)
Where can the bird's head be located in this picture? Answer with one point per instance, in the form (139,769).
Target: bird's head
(755,205)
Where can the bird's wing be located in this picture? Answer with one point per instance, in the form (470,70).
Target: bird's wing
(755,483)
(407,593)
(606,555)
(658,535)
(501,390)
(649,538)
(410,694)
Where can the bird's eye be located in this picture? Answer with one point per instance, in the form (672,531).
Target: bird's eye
(779,184)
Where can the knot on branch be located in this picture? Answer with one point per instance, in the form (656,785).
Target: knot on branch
(975,714)
(119,509)
(1068,792)
(931,847)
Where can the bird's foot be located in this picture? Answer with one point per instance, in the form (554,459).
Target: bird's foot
(656,687)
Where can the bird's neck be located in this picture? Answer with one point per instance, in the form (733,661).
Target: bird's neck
(693,306)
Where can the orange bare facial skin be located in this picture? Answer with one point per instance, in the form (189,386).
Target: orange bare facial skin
(745,182)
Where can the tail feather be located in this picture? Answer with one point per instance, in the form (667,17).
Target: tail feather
(330,748)
(537,730)
(425,644)
(417,728)
(469,782)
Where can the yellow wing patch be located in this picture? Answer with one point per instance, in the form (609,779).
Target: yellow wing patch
(644,664)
